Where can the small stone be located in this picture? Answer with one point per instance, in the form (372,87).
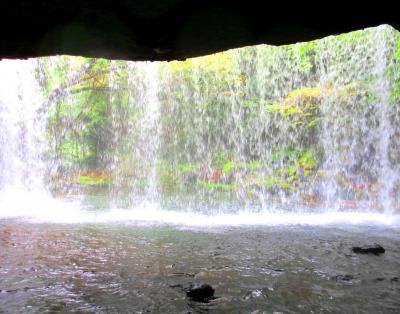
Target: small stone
(366,249)
(200,293)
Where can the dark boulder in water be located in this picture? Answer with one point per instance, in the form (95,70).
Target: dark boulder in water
(200,292)
(368,249)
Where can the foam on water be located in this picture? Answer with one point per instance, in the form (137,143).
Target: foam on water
(36,206)
(151,214)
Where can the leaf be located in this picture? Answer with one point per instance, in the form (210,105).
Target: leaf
(313,122)
(272,107)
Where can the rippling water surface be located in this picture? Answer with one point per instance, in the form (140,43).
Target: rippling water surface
(131,268)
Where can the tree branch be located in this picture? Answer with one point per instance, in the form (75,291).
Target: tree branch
(61,90)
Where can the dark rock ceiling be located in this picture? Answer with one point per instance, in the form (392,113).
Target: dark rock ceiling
(172,29)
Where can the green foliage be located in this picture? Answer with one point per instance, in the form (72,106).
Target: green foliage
(271,182)
(188,167)
(220,159)
(253,165)
(89,110)
(306,53)
(296,164)
(394,72)
(213,185)
(251,115)
(170,180)
(229,166)
(87,180)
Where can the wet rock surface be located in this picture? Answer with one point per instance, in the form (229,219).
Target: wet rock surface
(167,29)
(375,249)
(201,292)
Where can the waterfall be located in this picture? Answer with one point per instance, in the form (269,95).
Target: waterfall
(388,173)
(22,129)
(312,123)
(248,134)
(150,127)
(357,134)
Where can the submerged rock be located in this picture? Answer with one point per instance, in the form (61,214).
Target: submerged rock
(200,292)
(346,278)
(366,249)
(253,294)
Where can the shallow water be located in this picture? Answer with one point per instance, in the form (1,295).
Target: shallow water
(131,268)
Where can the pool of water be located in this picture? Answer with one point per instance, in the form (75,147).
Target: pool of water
(145,268)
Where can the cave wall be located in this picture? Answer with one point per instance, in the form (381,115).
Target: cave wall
(171,29)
